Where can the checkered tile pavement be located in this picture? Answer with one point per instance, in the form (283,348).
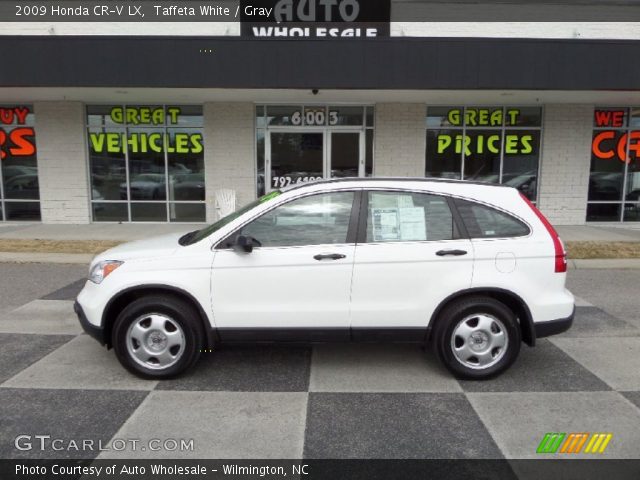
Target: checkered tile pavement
(326,401)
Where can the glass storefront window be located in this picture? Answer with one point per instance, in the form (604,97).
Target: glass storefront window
(490,144)
(614,180)
(146,163)
(19,187)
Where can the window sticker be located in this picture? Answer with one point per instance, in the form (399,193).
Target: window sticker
(412,224)
(385,224)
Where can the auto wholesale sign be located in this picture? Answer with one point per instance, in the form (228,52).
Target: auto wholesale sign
(315,18)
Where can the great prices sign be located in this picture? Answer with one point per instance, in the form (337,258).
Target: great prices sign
(16,138)
(477,141)
(614,142)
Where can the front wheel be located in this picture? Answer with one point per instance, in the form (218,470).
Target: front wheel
(157,337)
(477,338)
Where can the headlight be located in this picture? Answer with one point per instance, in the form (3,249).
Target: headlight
(101,270)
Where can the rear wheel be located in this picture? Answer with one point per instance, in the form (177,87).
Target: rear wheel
(477,337)
(158,337)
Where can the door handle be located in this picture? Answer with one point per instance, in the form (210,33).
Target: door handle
(329,256)
(455,253)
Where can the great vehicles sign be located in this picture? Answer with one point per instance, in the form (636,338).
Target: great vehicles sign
(141,141)
(315,18)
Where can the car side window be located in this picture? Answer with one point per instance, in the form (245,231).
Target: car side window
(486,222)
(407,217)
(313,220)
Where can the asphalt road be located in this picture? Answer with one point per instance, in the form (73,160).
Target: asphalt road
(322,401)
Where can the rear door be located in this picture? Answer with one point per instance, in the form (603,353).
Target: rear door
(409,257)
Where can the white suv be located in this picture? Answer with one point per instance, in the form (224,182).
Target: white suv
(472,269)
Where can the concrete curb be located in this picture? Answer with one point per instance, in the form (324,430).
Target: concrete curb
(602,263)
(32,257)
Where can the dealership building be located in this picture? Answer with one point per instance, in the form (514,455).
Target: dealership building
(163,122)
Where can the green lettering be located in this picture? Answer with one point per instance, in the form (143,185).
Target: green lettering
(116,114)
(145,115)
(182,143)
(196,142)
(470,117)
(467,142)
(491,143)
(114,144)
(97,142)
(132,116)
(496,118)
(483,117)
(443,143)
(158,116)
(155,142)
(132,142)
(513,116)
(458,143)
(511,144)
(173,114)
(526,144)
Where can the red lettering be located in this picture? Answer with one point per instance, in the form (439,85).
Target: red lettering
(609,118)
(6,116)
(618,118)
(21,113)
(3,138)
(620,150)
(634,145)
(596,145)
(23,146)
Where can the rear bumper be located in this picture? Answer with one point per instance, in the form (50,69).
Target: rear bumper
(554,327)
(89,328)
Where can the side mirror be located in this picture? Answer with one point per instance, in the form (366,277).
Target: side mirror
(245,244)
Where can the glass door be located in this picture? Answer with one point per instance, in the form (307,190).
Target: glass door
(295,157)
(345,159)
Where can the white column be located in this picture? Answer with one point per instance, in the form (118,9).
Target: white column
(565,164)
(229,154)
(62,162)
(400,140)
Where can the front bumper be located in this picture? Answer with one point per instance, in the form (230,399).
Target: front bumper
(90,329)
(554,327)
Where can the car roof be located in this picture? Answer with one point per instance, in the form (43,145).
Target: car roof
(372,181)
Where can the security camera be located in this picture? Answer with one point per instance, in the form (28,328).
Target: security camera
(315,91)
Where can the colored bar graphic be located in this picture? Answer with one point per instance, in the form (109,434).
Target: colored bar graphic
(550,443)
(574,442)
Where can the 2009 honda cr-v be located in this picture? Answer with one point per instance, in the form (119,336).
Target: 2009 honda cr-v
(471,269)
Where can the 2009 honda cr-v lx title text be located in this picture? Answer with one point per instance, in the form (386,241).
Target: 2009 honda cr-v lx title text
(472,270)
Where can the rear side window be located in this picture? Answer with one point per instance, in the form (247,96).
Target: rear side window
(486,222)
(408,217)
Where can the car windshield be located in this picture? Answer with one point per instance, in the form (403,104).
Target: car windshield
(197,235)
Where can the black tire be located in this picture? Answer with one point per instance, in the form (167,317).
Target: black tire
(179,312)
(453,315)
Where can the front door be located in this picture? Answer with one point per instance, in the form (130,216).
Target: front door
(296,285)
(300,156)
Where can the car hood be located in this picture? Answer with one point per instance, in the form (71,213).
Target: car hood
(163,245)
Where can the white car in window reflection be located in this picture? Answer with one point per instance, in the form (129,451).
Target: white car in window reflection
(145,186)
(471,270)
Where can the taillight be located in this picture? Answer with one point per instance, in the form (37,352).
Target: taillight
(560,253)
